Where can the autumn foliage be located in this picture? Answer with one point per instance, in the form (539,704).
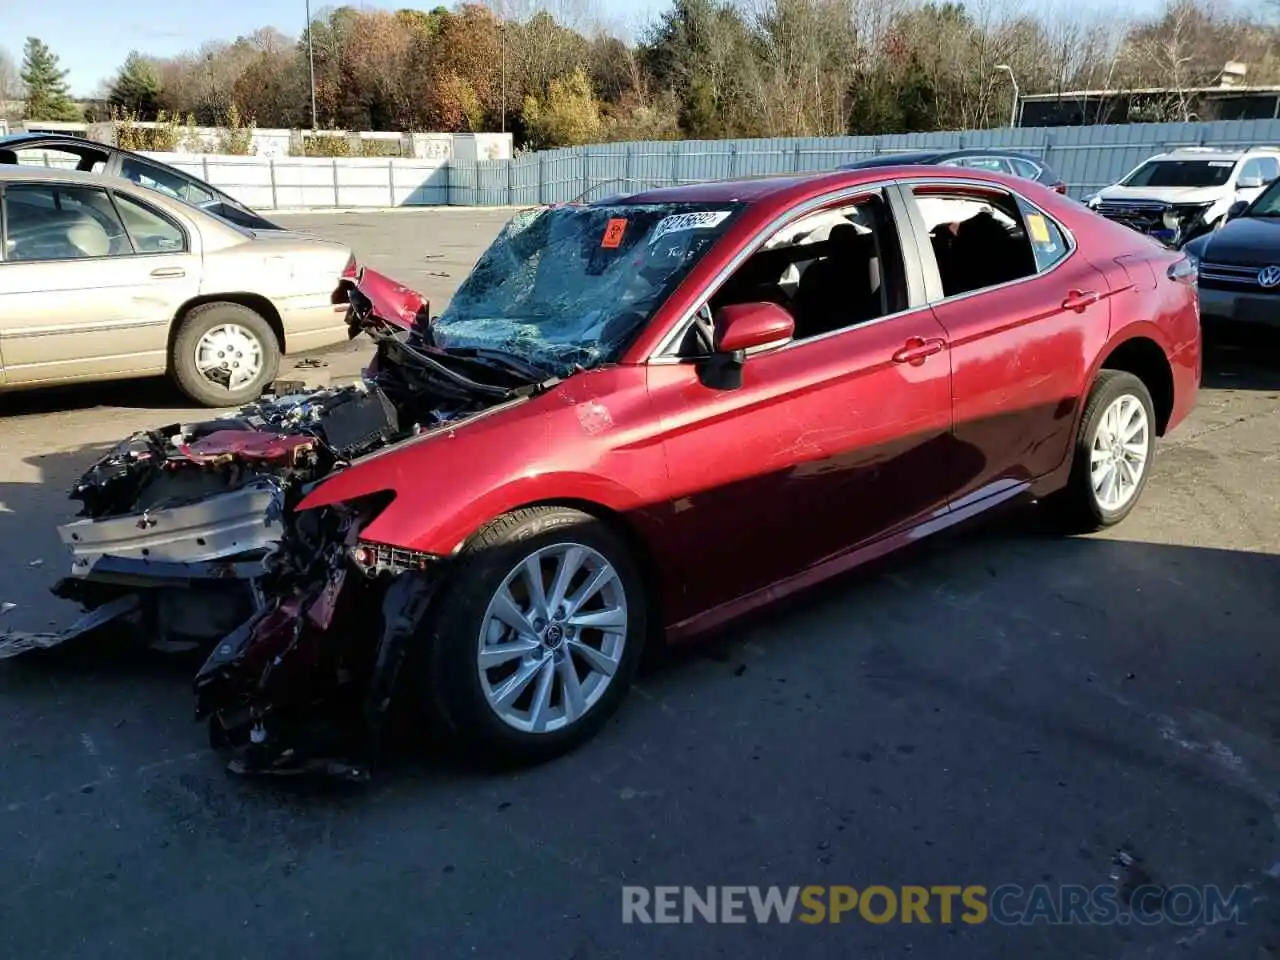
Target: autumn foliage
(701,69)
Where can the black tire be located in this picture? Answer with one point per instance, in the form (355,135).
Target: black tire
(455,701)
(1075,508)
(195,324)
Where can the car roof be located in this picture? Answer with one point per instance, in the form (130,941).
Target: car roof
(781,189)
(27,171)
(934,156)
(10,173)
(34,136)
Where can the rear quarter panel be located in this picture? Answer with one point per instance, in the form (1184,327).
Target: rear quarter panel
(1152,306)
(297,271)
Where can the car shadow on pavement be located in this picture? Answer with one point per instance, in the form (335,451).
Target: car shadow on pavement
(154,393)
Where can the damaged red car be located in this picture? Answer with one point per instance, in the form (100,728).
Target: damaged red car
(636,420)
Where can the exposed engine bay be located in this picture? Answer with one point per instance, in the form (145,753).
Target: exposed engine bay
(188,536)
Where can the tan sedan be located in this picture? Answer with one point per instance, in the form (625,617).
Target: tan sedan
(102,279)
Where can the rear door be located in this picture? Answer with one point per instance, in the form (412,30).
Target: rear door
(89,283)
(1024,311)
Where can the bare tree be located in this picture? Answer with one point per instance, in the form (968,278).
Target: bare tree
(10,81)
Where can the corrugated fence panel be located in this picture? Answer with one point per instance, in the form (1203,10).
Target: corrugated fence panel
(419,183)
(525,179)
(1088,158)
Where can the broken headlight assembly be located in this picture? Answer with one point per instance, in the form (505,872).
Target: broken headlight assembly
(369,557)
(1188,219)
(374,559)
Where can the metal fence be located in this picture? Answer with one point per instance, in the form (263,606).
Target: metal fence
(1088,158)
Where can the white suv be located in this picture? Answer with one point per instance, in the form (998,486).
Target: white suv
(1179,195)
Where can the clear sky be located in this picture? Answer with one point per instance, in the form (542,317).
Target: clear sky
(92,37)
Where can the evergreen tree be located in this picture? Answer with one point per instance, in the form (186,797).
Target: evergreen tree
(137,88)
(47,95)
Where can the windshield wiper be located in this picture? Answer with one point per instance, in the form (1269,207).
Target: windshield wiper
(504,361)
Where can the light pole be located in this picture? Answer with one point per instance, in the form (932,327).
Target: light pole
(1013,111)
(311,63)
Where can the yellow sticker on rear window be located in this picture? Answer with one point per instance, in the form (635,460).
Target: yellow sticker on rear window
(1038,228)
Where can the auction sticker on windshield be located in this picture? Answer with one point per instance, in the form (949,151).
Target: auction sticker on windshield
(704,220)
(613,232)
(1039,229)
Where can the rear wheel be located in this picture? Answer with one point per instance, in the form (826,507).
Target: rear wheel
(538,636)
(1113,454)
(224,354)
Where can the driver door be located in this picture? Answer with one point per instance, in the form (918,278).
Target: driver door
(833,439)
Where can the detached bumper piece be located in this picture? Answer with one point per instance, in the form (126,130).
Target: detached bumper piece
(15,643)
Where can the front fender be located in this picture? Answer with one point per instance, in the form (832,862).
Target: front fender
(454,514)
(449,484)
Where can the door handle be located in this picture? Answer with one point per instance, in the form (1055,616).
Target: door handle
(168,272)
(917,349)
(1079,299)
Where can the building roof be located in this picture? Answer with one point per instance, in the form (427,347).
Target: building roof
(1082,94)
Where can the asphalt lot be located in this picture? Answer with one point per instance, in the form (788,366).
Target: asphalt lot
(997,707)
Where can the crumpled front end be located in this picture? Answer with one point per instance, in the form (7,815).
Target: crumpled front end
(191,535)
(304,684)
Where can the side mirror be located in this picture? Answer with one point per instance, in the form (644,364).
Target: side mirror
(1249,183)
(1237,208)
(745,326)
(736,329)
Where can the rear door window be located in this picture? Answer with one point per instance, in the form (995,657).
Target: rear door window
(986,238)
(168,182)
(994,164)
(1025,168)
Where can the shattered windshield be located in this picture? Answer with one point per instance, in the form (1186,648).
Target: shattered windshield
(569,286)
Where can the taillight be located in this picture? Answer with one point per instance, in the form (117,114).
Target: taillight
(349,271)
(1185,270)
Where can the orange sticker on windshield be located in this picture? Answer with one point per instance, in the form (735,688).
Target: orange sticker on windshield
(613,234)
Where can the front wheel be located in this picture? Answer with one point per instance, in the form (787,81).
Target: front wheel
(224,354)
(538,636)
(1113,454)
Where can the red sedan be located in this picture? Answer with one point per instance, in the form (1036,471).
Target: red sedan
(746,388)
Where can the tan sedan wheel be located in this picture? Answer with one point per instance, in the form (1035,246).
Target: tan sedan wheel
(224,354)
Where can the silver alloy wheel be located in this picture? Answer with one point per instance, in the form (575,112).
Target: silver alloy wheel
(1119,453)
(552,638)
(229,356)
